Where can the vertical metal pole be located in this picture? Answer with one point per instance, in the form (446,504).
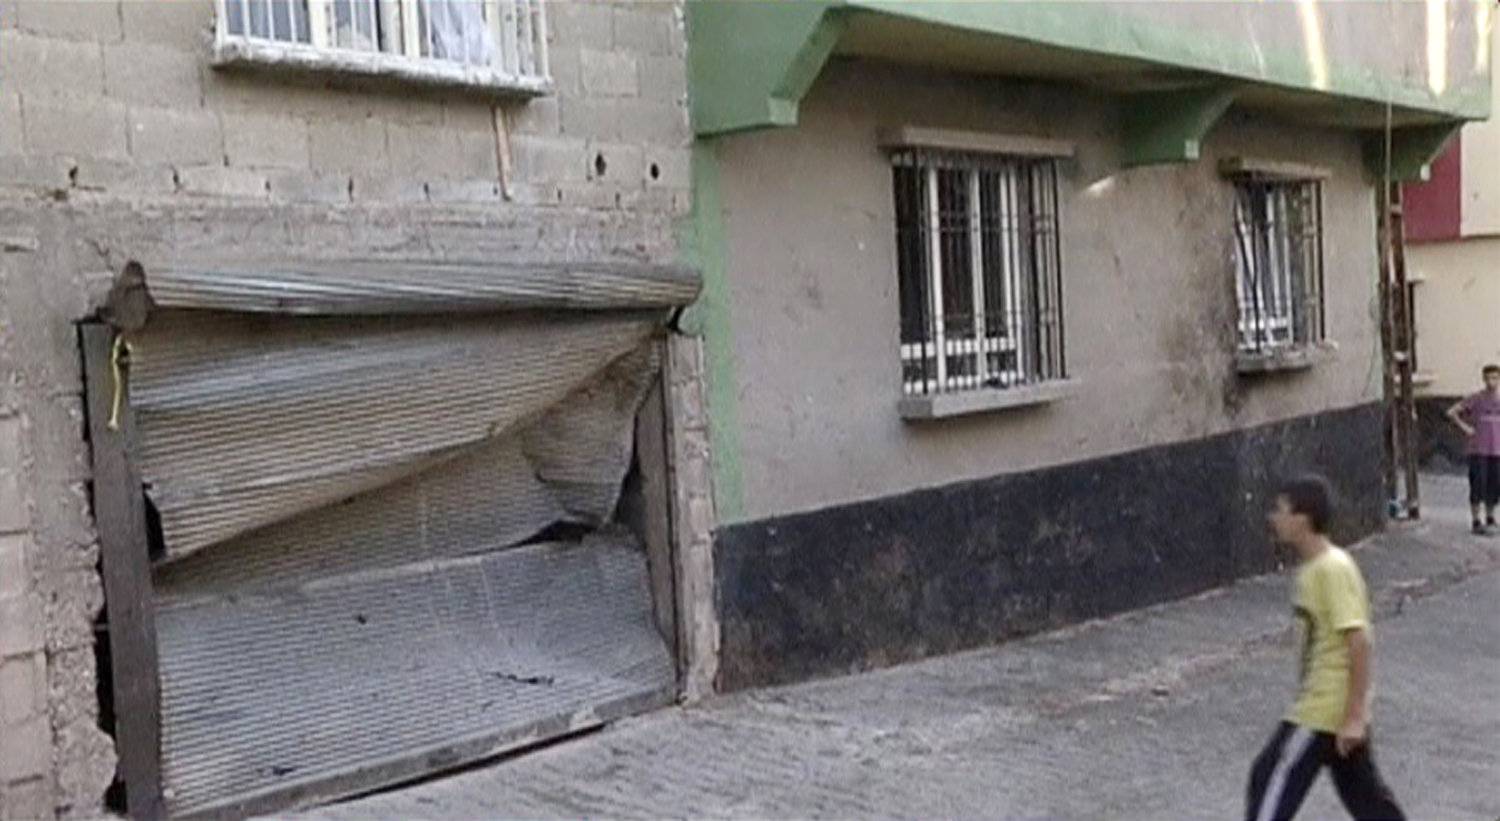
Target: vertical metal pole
(1387,342)
(1406,410)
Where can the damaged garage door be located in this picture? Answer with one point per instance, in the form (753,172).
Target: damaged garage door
(360,479)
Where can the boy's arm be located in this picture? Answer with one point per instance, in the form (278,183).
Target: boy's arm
(1456,414)
(1356,718)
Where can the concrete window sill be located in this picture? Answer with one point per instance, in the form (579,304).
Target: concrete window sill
(1282,361)
(392,69)
(989,400)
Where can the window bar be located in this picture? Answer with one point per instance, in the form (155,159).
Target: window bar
(293,18)
(977,264)
(1033,265)
(1012,300)
(527,52)
(1241,274)
(1024,310)
(510,52)
(374,24)
(1259,268)
(457,23)
(1320,307)
(317,23)
(1281,234)
(267,20)
(935,264)
(492,21)
(922,275)
(1059,368)
(390,24)
(411,28)
(542,64)
(1028,269)
(429,40)
(221,21)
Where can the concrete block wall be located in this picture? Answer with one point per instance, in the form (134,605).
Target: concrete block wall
(119,141)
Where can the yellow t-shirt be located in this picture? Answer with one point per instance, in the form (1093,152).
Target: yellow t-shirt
(1329,599)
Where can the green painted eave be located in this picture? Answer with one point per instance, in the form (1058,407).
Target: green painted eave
(752,61)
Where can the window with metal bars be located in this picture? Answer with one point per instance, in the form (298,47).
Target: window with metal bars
(979,267)
(1278,228)
(505,37)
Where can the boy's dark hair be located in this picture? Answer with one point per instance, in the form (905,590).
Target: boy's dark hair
(1311,496)
(1489,369)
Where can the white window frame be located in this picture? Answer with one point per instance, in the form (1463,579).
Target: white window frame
(515,31)
(998,163)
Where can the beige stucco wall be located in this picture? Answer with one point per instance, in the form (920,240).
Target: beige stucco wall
(119,141)
(1148,284)
(1481,168)
(1458,311)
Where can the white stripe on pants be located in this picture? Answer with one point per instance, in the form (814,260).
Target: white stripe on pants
(1292,749)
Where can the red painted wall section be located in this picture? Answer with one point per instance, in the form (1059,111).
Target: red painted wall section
(1434,209)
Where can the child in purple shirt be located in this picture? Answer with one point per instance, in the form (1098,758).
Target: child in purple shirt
(1479,418)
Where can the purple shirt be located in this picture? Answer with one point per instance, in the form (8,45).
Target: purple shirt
(1482,411)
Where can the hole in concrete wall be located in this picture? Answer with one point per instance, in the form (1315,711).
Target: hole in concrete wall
(655,171)
(104,691)
(73,175)
(600,166)
(104,680)
(570,532)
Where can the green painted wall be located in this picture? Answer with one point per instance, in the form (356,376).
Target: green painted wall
(752,60)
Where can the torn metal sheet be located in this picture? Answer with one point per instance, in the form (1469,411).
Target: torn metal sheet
(568,466)
(246,420)
(396,287)
(354,682)
(582,447)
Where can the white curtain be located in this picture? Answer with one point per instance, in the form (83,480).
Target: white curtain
(458,31)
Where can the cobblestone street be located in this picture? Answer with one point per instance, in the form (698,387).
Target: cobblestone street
(1152,715)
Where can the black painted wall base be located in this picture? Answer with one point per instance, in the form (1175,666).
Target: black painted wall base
(945,569)
(1442,444)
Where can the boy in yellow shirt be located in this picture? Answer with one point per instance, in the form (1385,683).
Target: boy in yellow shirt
(1329,724)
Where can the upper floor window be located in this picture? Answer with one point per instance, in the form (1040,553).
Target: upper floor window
(500,43)
(979,270)
(1278,230)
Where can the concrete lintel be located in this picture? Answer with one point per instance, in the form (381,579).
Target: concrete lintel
(1412,150)
(1169,126)
(1266,169)
(979,142)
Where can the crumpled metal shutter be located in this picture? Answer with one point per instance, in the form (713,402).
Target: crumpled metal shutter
(349,464)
